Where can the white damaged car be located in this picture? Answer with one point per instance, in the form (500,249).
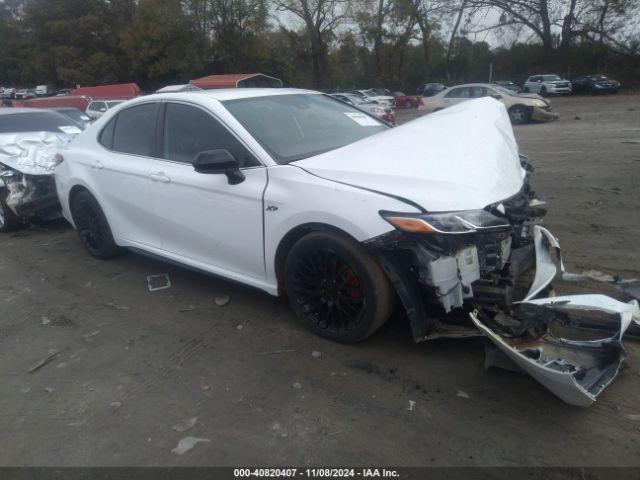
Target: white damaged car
(298,194)
(29,141)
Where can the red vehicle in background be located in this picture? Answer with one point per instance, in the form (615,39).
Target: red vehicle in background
(407,101)
(119,91)
(81,102)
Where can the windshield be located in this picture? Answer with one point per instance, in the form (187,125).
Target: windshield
(599,77)
(37,122)
(293,127)
(550,78)
(370,93)
(503,90)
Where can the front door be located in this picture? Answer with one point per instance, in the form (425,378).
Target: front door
(202,217)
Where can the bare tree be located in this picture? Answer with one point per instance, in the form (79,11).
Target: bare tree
(320,18)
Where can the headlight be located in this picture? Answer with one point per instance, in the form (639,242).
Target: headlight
(377,110)
(467,221)
(539,103)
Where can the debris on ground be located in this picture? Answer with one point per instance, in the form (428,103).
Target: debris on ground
(239,327)
(278,430)
(297,385)
(115,405)
(462,394)
(634,142)
(570,344)
(49,389)
(45,321)
(222,300)
(316,354)
(412,405)
(53,354)
(158,282)
(186,424)
(190,308)
(277,352)
(187,444)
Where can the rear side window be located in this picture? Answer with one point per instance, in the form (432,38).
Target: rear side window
(189,130)
(458,93)
(134,130)
(106,136)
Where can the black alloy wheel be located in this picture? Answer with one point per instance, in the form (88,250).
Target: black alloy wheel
(336,288)
(92,227)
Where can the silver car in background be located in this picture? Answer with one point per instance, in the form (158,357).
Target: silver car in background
(384,112)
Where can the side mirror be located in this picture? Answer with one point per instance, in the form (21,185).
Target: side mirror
(497,96)
(219,162)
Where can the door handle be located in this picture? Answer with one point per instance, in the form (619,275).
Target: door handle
(159,177)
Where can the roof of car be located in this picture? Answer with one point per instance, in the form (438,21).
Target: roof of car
(224,94)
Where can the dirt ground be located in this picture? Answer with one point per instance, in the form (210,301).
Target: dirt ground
(135,366)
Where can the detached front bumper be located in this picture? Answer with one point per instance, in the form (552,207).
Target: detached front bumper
(539,114)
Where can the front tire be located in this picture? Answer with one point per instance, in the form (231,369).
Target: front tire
(543,91)
(336,288)
(93,228)
(518,115)
(9,221)
(408,104)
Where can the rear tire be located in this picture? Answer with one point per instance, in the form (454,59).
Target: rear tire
(543,91)
(93,228)
(9,221)
(336,288)
(408,104)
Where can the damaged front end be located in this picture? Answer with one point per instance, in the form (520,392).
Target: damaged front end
(494,267)
(27,166)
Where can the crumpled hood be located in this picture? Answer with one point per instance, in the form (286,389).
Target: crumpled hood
(532,95)
(461,158)
(32,152)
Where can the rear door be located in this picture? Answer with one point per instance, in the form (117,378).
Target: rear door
(121,173)
(202,217)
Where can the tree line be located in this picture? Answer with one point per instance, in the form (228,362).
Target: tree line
(322,44)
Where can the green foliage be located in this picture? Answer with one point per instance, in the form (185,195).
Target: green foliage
(359,43)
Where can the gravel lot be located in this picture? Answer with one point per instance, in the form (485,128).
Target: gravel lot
(135,366)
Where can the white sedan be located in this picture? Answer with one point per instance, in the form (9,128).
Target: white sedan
(294,192)
(297,193)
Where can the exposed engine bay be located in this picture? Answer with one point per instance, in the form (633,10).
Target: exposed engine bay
(492,270)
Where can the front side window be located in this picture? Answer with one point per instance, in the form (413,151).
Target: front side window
(134,131)
(478,92)
(293,127)
(190,130)
(551,78)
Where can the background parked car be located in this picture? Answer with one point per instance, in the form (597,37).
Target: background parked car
(595,84)
(547,84)
(430,89)
(29,139)
(44,91)
(76,115)
(407,101)
(97,108)
(25,93)
(63,91)
(521,107)
(373,96)
(8,92)
(384,112)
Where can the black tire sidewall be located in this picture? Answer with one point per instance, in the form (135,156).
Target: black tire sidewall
(369,274)
(524,111)
(109,248)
